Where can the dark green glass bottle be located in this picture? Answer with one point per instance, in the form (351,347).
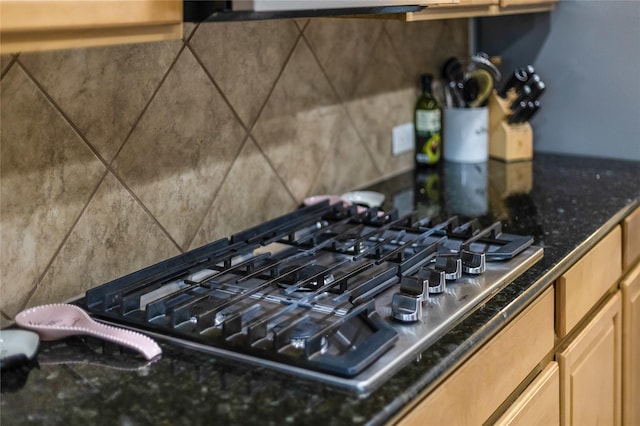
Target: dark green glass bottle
(427,122)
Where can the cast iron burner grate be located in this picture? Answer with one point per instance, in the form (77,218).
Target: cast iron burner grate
(324,291)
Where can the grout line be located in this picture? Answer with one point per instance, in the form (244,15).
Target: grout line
(108,169)
(218,88)
(339,102)
(278,77)
(190,36)
(342,103)
(146,107)
(58,250)
(12,61)
(217,191)
(248,128)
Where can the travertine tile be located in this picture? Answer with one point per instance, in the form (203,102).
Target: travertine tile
(47,176)
(383,91)
(103,90)
(348,166)
(114,237)
(422,47)
(302,22)
(180,151)
(245,59)
(343,48)
(300,122)
(251,194)
(188,29)
(5,60)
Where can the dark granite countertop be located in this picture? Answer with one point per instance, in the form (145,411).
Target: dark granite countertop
(566,202)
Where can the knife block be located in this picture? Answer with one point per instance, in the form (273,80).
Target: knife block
(507,142)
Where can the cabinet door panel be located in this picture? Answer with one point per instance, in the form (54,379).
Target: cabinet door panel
(27,25)
(590,371)
(474,391)
(587,281)
(631,347)
(539,404)
(631,238)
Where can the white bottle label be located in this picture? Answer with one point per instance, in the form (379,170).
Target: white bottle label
(428,120)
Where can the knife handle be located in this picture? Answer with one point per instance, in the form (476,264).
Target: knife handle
(537,88)
(516,80)
(524,95)
(516,115)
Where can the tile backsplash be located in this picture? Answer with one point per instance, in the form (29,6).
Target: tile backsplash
(115,158)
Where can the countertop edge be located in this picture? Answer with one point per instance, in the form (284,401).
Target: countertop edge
(429,382)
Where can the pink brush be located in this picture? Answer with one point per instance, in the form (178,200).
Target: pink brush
(56,321)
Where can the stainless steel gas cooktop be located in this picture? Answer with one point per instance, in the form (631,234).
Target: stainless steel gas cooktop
(329,292)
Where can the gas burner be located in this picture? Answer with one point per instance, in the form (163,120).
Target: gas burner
(302,333)
(324,292)
(300,277)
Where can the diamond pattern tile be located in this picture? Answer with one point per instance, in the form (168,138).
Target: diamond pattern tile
(384,90)
(343,48)
(5,60)
(180,151)
(263,197)
(245,59)
(103,90)
(114,237)
(347,166)
(423,47)
(300,122)
(47,176)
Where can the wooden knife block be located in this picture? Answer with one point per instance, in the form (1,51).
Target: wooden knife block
(507,142)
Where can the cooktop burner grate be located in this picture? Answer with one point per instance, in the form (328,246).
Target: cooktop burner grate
(325,291)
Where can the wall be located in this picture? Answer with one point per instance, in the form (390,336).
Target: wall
(588,53)
(116,158)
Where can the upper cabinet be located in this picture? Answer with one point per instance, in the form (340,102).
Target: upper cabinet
(28,25)
(477,8)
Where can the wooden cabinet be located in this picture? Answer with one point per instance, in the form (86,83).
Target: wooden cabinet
(630,286)
(631,239)
(595,378)
(539,404)
(461,9)
(28,25)
(474,391)
(478,8)
(580,288)
(590,370)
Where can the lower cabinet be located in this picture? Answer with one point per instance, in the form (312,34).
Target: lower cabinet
(590,370)
(474,391)
(594,378)
(538,404)
(630,286)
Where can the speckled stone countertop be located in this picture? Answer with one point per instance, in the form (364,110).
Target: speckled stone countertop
(566,203)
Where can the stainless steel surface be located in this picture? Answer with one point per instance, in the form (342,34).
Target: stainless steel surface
(439,313)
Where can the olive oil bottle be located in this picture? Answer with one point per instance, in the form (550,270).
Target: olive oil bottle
(427,120)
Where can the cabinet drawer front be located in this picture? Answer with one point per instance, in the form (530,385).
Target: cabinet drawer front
(630,286)
(587,281)
(631,239)
(590,370)
(538,404)
(474,391)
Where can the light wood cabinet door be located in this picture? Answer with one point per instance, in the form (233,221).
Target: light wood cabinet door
(539,404)
(474,391)
(590,370)
(631,239)
(630,286)
(580,288)
(29,25)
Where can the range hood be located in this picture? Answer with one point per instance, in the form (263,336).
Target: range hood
(238,10)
